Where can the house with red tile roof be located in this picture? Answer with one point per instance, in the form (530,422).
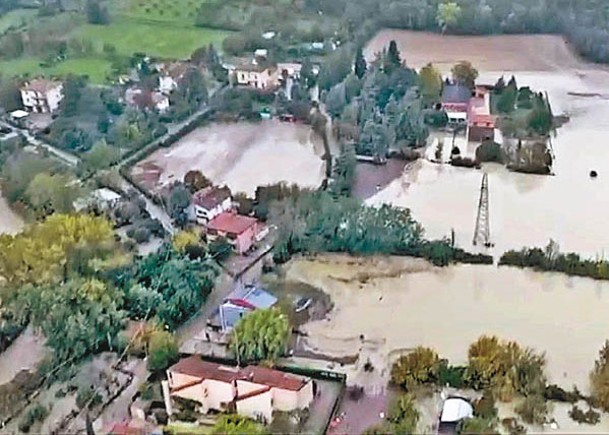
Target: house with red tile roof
(480,121)
(252,391)
(241,231)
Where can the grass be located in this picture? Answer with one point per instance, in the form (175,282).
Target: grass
(168,11)
(187,429)
(95,68)
(130,36)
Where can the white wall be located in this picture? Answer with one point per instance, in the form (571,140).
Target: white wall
(257,406)
(218,393)
(54,97)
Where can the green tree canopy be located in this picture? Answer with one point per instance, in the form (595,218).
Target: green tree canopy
(261,335)
(448,15)
(48,194)
(465,74)
(162,350)
(421,366)
(234,424)
(431,82)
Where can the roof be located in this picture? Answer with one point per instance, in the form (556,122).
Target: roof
(241,301)
(456,409)
(254,66)
(231,223)
(41,85)
(196,367)
(211,197)
(176,69)
(456,94)
(105,194)
(18,114)
(274,378)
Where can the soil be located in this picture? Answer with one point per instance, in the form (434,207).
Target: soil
(241,155)
(487,53)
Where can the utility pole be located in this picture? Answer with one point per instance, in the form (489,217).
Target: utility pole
(482,232)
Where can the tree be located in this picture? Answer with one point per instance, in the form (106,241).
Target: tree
(162,351)
(10,96)
(448,15)
(234,424)
(261,335)
(72,90)
(431,82)
(95,13)
(185,238)
(45,252)
(77,318)
(360,63)
(306,73)
(392,59)
(344,171)
(465,74)
(336,100)
(599,378)
(421,366)
(353,87)
(100,156)
(404,415)
(178,203)
(48,194)
(220,249)
(195,181)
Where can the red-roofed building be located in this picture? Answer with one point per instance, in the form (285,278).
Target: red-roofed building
(241,231)
(252,391)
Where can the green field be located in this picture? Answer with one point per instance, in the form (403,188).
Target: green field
(95,68)
(130,36)
(180,12)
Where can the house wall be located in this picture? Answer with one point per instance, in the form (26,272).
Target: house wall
(245,240)
(167,84)
(257,79)
(54,97)
(288,400)
(245,387)
(305,395)
(479,134)
(258,406)
(205,215)
(219,394)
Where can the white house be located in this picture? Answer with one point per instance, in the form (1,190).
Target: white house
(252,391)
(211,202)
(145,99)
(257,75)
(171,75)
(42,95)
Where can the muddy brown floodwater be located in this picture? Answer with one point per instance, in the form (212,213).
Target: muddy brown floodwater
(241,155)
(400,303)
(525,210)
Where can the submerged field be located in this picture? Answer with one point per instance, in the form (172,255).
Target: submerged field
(400,303)
(241,155)
(525,210)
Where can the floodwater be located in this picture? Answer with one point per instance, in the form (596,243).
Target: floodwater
(400,303)
(25,353)
(525,210)
(241,155)
(10,222)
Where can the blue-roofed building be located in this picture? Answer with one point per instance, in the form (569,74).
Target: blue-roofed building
(241,301)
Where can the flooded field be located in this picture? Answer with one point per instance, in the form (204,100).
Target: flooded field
(241,155)
(568,207)
(396,304)
(10,222)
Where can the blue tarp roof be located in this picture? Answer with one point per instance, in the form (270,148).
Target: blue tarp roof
(231,310)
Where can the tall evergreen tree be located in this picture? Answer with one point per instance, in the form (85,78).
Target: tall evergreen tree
(360,63)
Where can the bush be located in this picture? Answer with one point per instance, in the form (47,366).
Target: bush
(141,235)
(87,396)
(533,410)
(589,417)
(421,366)
(555,393)
(34,414)
(162,351)
(220,249)
(453,376)
(485,406)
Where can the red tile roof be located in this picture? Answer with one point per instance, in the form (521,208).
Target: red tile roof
(195,366)
(211,197)
(231,223)
(274,378)
(41,85)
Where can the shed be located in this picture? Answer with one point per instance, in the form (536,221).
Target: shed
(242,301)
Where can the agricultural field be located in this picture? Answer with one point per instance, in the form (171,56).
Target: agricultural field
(96,68)
(15,18)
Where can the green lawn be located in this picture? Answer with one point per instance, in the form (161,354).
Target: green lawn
(178,12)
(95,68)
(130,36)
(15,18)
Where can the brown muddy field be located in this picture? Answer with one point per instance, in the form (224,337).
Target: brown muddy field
(487,53)
(241,155)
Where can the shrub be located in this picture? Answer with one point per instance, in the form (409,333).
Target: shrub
(34,414)
(220,248)
(589,417)
(533,410)
(485,406)
(162,351)
(555,393)
(453,376)
(141,235)
(421,366)
(512,426)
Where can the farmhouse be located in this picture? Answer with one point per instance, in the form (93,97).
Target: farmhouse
(480,122)
(257,74)
(145,99)
(241,301)
(211,202)
(171,74)
(241,231)
(42,95)
(251,391)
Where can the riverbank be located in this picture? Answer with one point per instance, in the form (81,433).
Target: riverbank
(385,306)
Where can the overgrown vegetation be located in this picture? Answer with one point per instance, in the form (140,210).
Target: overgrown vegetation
(261,335)
(551,259)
